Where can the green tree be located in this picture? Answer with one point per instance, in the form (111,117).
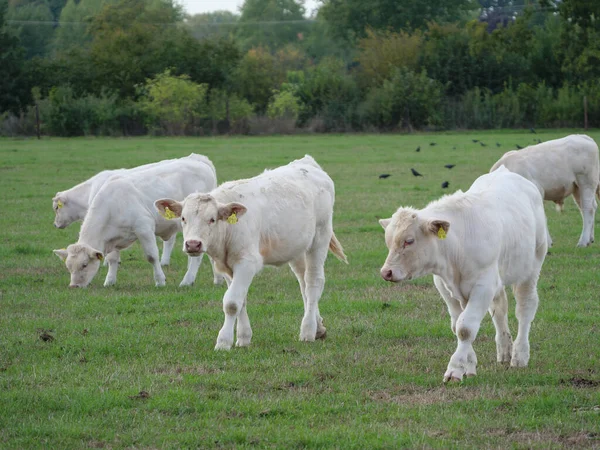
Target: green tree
(11,60)
(350,19)
(34,26)
(132,41)
(217,24)
(271,23)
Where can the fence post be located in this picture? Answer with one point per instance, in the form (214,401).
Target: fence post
(585,113)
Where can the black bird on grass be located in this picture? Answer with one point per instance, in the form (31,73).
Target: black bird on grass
(475,140)
(482,144)
(418,149)
(415,173)
(497,144)
(532,130)
(433,143)
(445,184)
(449,166)
(519,147)
(384,175)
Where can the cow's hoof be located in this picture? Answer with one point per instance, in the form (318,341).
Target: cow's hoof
(223,345)
(321,334)
(242,342)
(108,283)
(186,283)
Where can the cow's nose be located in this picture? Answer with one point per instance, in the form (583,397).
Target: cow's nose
(386,274)
(193,246)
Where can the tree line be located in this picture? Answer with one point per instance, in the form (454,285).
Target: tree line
(123,67)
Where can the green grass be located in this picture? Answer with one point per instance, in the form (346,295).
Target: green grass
(375,382)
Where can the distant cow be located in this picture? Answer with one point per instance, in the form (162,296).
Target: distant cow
(281,216)
(560,168)
(71,205)
(475,243)
(123,211)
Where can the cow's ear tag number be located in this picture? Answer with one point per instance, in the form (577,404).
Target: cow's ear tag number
(168,214)
(441,233)
(232,219)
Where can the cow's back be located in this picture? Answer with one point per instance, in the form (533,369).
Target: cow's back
(555,166)
(512,210)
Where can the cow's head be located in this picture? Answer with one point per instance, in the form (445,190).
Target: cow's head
(64,214)
(412,245)
(203,220)
(82,261)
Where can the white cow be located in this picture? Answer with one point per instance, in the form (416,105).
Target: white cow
(560,168)
(71,205)
(475,243)
(123,211)
(281,216)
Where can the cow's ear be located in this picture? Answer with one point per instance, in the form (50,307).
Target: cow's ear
(168,208)
(438,227)
(61,253)
(231,209)
(385,222)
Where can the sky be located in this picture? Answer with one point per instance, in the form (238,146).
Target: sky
(203,6)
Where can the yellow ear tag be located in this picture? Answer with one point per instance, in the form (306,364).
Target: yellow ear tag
(441,233)
(59,204)
(232,219)
(101,257)
(168,214)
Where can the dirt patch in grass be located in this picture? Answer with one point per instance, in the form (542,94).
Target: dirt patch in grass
(194,370)
(581,382)
(581,439)
(416,395)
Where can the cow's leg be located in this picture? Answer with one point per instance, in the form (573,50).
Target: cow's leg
(464,360)
(454,308)
(168,245)
(234,305)
(217,277)
(299,268)
(112,259)
(527,303)
(585,197)
(148,242)
(314,277)
(244,331)
(192,270)
(499,313)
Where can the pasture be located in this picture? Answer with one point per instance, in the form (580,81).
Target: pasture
(133,366)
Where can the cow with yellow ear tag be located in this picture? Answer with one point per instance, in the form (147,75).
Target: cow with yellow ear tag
(475,243)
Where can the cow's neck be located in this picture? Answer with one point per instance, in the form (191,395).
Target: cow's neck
(93,234)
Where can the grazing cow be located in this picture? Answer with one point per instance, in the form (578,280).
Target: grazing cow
(560,168)
(281,216)
(71,205)
(123,211)
(475,243)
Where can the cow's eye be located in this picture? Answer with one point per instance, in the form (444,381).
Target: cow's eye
(408,242)
(183,219)
(84,266)
(211,221)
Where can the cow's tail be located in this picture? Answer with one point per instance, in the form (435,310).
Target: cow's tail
(336,248)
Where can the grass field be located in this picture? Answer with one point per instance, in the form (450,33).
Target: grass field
(133,366)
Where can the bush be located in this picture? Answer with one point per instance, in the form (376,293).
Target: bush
(173,105)
(328,92)
(64,114)
(406,100)
(228,112)
(283,105)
